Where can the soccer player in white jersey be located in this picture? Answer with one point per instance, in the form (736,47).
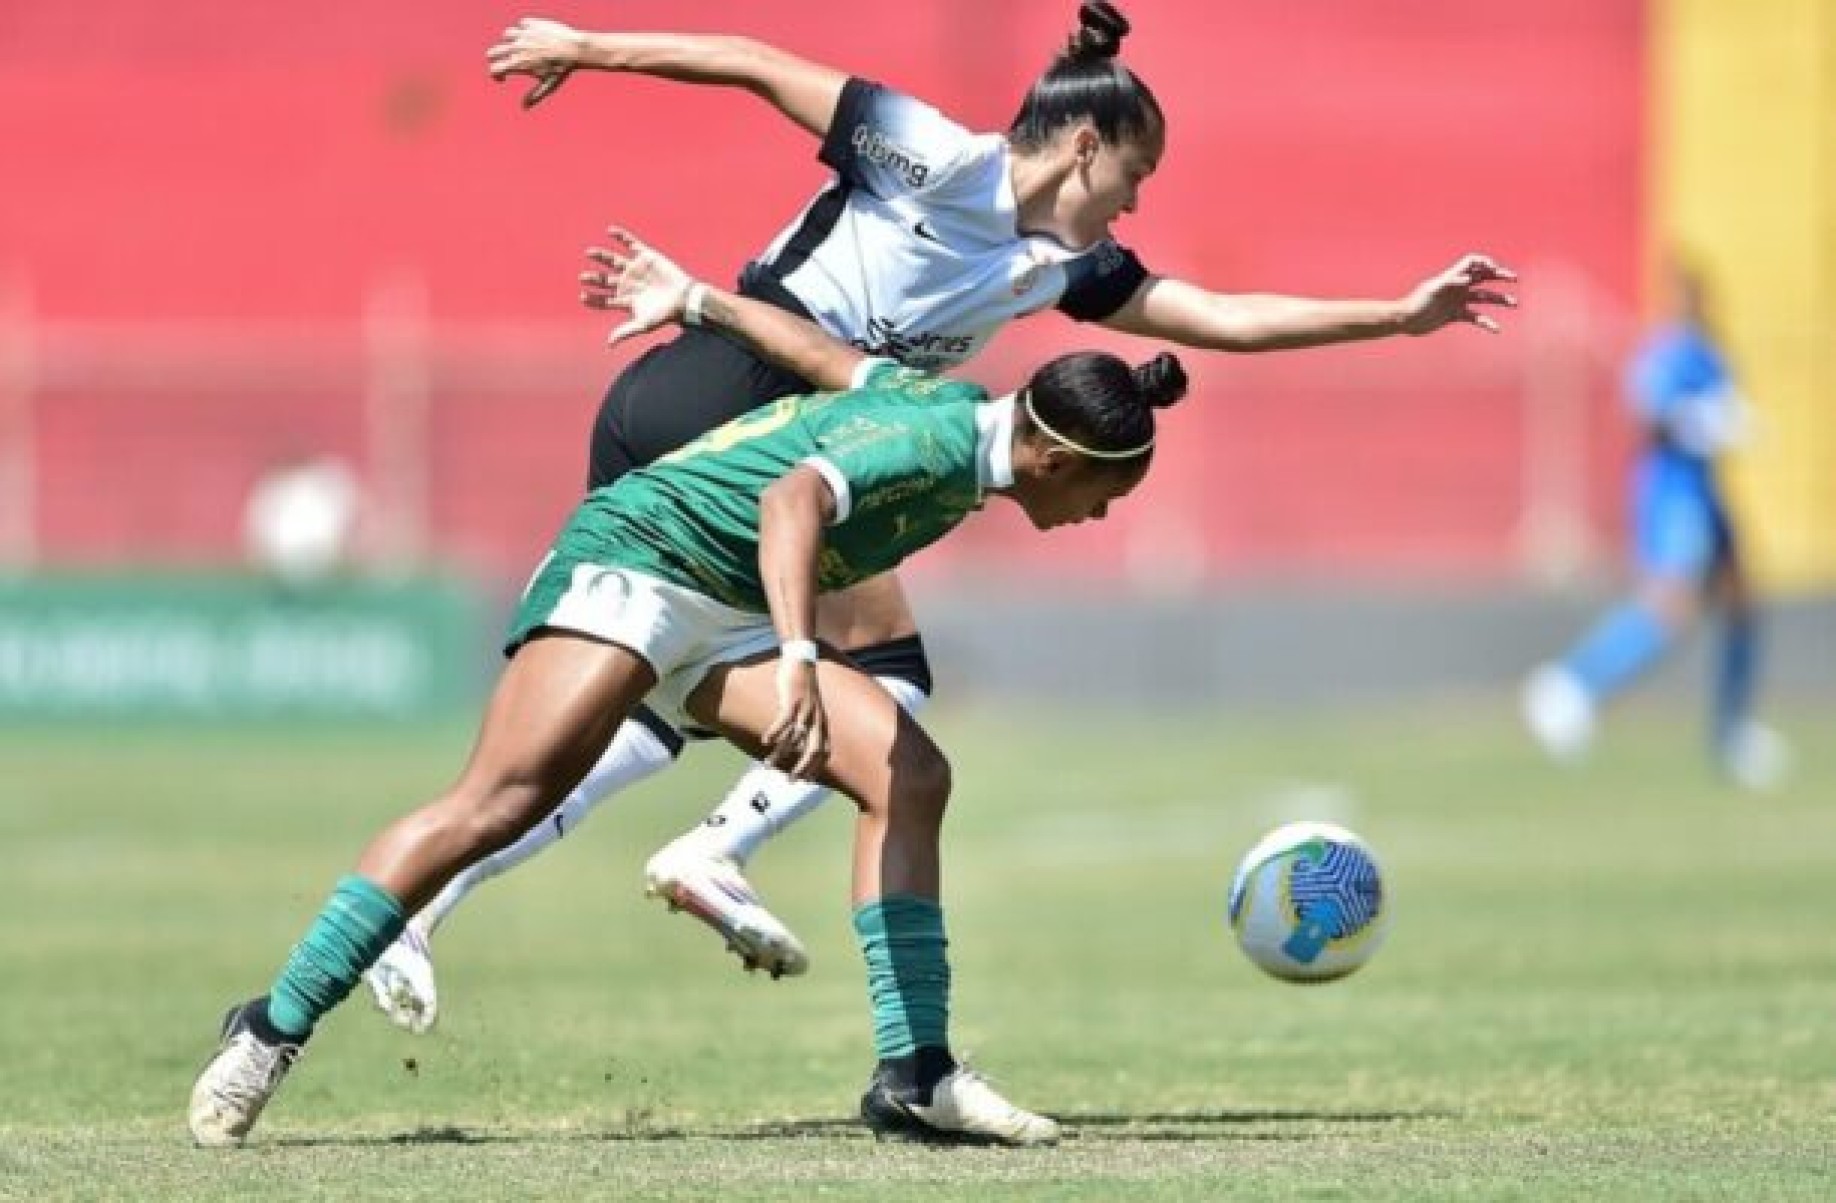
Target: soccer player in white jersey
(693,582)
(927,240)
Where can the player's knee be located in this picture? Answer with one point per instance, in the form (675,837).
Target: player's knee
(921,783)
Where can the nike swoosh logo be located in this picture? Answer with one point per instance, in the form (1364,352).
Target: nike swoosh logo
(924,231)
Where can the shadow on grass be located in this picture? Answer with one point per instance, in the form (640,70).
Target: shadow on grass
(1196,1126)
(1246,1124)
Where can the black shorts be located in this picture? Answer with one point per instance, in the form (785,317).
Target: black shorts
(676,393)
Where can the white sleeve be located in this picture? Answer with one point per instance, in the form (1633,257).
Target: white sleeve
(890,143)
(838,485)
(868,368)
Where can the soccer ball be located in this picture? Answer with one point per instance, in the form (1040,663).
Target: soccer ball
(1307,903)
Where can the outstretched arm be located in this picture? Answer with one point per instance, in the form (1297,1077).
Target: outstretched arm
(637,279)
(548,51)
(1185,313)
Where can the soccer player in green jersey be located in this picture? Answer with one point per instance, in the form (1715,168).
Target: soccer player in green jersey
(691,584)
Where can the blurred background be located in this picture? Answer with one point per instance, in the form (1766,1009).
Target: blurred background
(294,387)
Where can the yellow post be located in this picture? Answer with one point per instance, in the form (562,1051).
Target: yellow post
(1743,128)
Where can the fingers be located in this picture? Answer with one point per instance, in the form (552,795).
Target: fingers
(1477,268)
(815,756)
(621,257)
(509,55)
(797,748)
(545,87)
(1486,296)
(783,752)
(603,292)
(499,58)
(625,238)
(618,265)
(632,258)
(812,747)
(1483,322)
(530,47)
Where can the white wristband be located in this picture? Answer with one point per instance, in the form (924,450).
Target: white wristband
(801,651)
(692,303)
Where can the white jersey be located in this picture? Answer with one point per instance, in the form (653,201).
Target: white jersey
(912,251)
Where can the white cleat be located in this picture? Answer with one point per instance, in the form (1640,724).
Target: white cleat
(1755,757)
(402,981)
(1559,713)
(713,890)
(964,1109)
(229,1095)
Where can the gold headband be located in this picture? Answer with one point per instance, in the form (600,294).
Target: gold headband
(1026,397)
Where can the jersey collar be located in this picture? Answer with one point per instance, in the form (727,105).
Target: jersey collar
(994,444)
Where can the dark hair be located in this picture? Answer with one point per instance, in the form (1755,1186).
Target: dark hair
(1096,400)
(1087,82)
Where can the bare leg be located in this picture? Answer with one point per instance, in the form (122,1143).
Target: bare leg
(900,783)
(880,757)
(554,708)
(552,714)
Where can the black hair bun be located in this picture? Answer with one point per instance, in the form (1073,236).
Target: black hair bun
(1162,380)
(1101,28)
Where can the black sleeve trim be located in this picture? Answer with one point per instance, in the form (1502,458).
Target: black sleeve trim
(1101,282)
(850,114)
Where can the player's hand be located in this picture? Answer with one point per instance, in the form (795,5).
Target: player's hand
(797,742)
(546,51)
(635,279)
(1457,295)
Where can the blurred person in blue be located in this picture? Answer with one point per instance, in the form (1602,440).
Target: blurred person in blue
(926,241)
(1685,554)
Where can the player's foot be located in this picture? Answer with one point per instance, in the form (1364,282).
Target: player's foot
(1559,713)
(712,888)
(960,1108)
(247,1069)
(1754,757)
(402,981)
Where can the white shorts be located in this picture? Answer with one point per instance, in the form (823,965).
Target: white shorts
(681,633)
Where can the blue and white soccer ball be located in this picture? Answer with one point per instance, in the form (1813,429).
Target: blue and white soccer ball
(1307,903)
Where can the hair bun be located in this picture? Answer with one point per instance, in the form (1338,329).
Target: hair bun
(1101,28)
(1162,380)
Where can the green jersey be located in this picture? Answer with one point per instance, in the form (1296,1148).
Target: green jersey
(903,454)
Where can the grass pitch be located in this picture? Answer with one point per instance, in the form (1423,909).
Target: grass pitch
(1610,984)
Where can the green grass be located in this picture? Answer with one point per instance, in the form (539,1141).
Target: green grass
(1611,984)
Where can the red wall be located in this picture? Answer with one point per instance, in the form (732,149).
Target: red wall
(196,159)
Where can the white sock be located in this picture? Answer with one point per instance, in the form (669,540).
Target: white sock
(634,754)
(765,801)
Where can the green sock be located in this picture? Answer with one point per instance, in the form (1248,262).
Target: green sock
(908,979)
(359,921)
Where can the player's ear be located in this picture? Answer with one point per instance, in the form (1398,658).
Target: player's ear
(1055,461)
